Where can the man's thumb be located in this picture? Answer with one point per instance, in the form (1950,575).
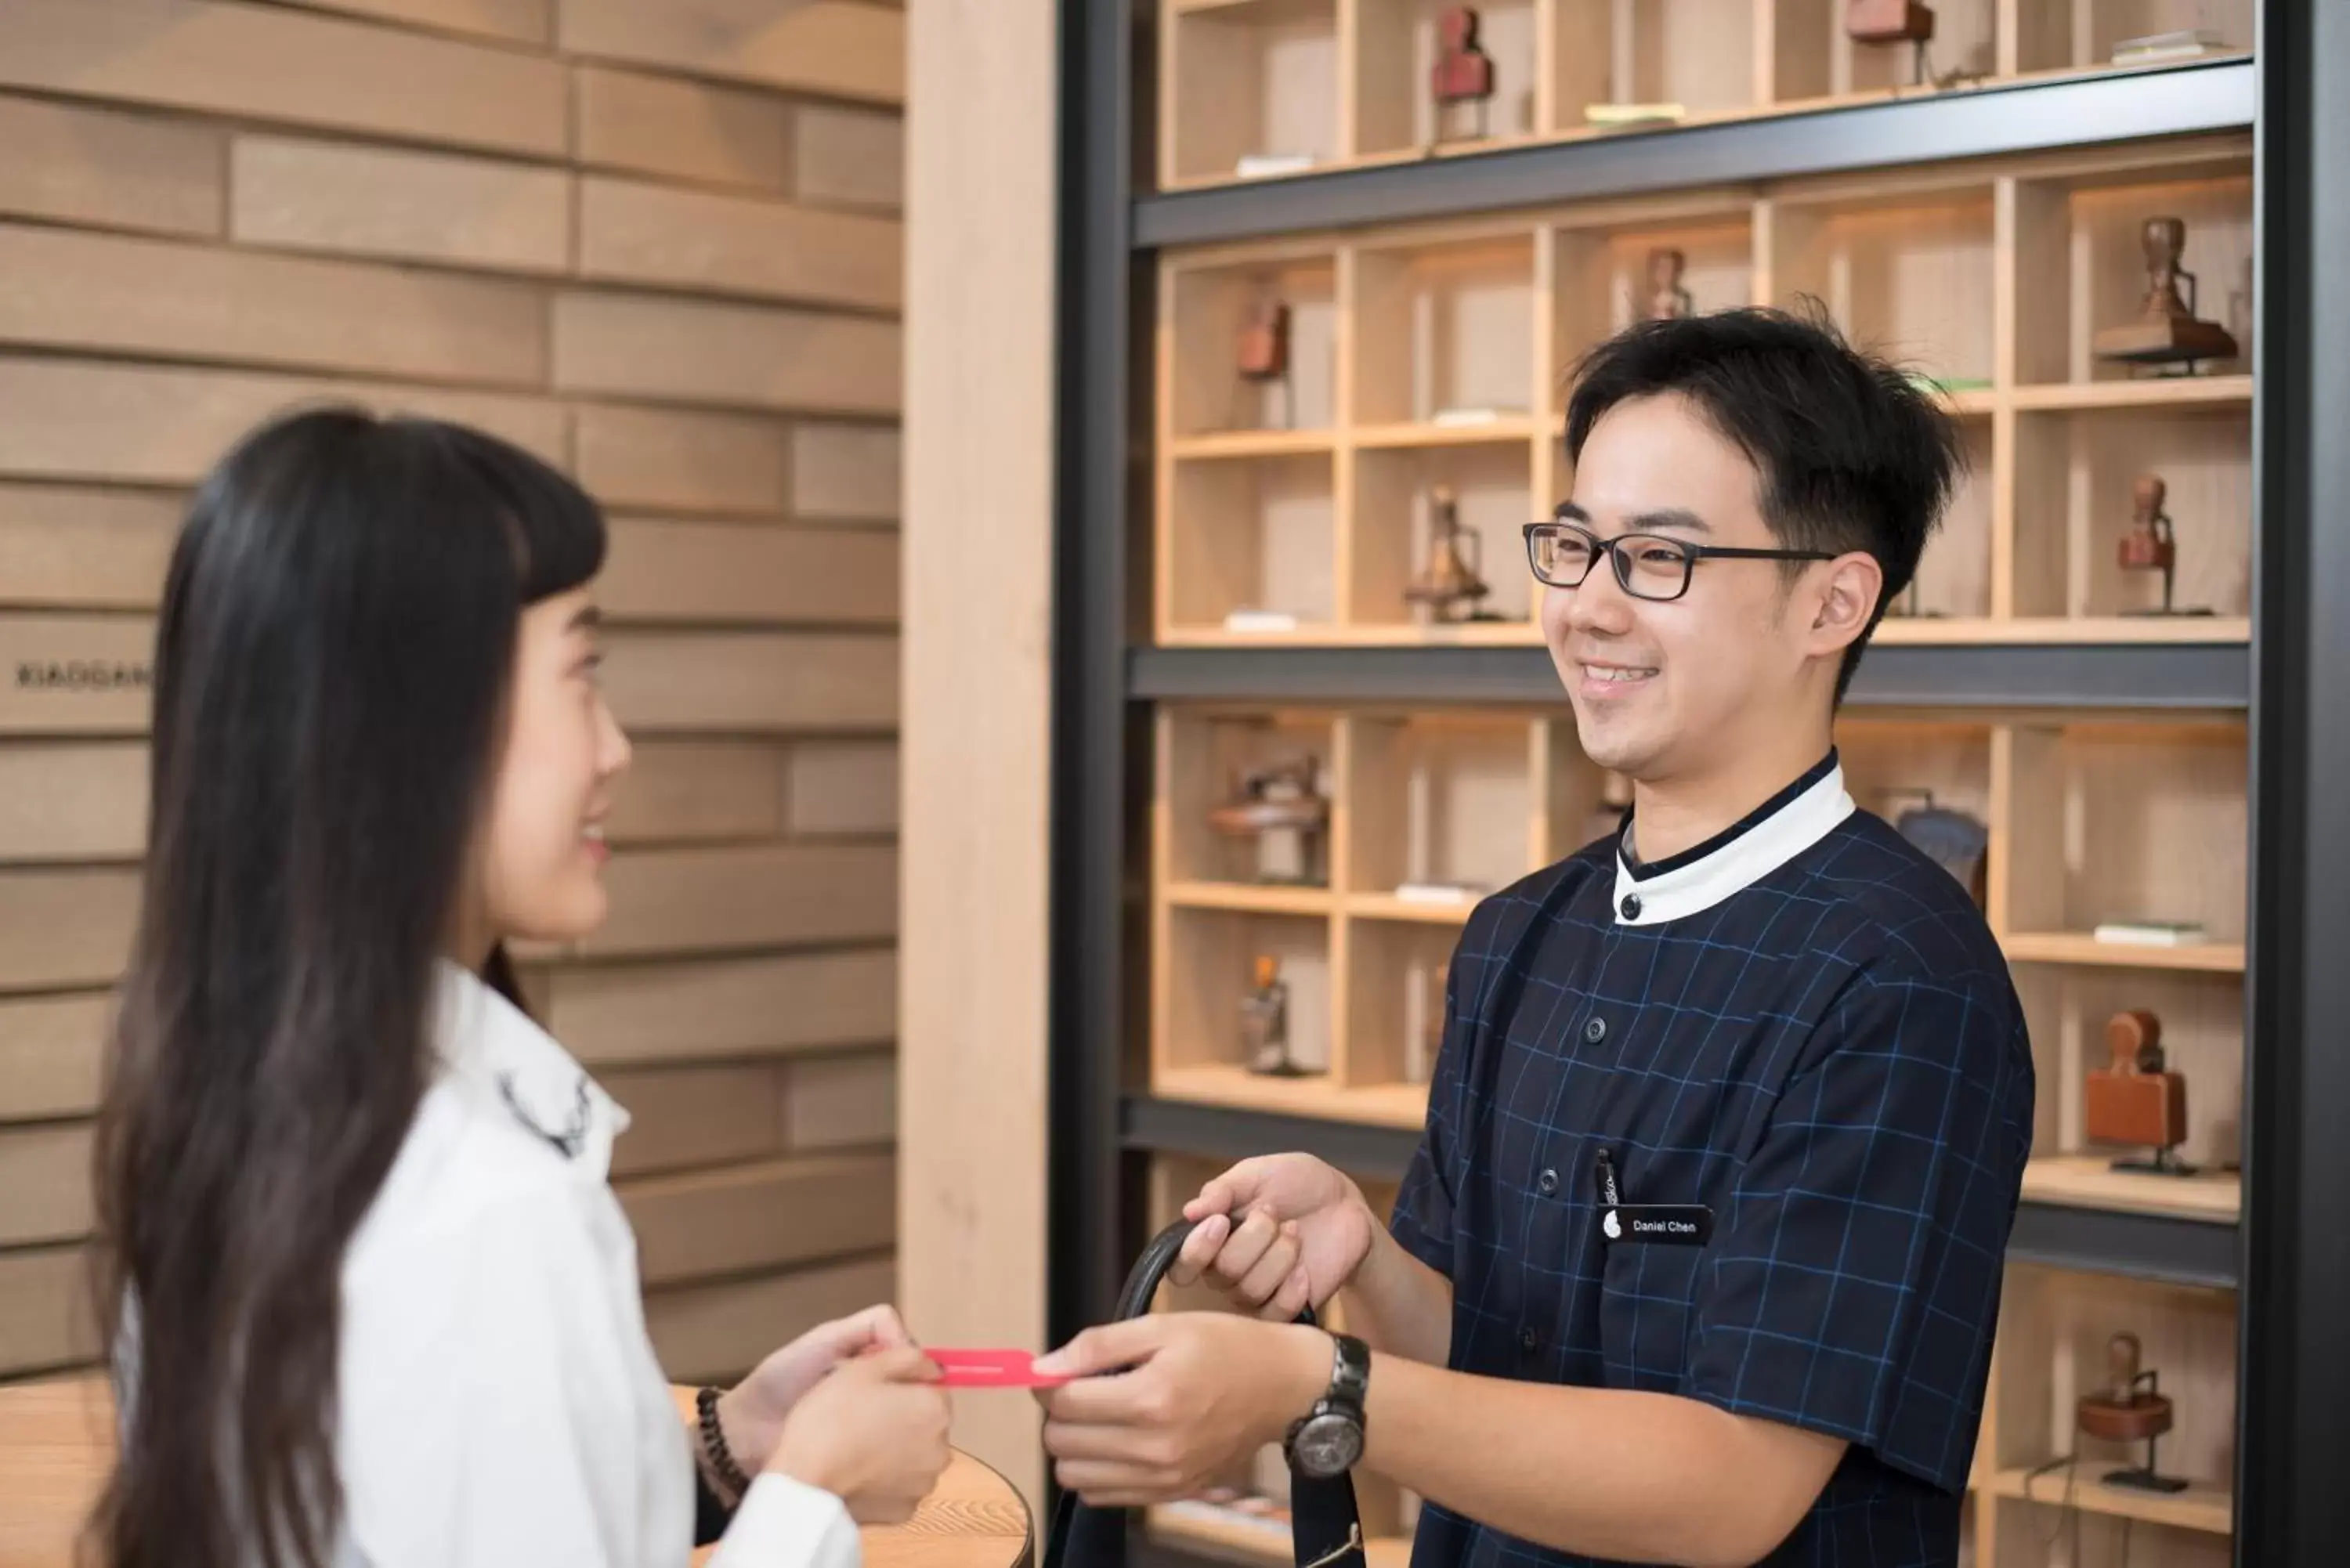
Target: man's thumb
(1104,1349)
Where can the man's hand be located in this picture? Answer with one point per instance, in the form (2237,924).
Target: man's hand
(1277,1234)
(1206,1390)
(753,1413)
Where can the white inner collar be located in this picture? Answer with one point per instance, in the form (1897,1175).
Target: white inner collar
(1746,860)
(518,1067)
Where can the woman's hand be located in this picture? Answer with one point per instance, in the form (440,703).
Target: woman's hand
(753,1412)
(874,1434)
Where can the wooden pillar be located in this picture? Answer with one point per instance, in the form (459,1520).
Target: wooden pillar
(981,166)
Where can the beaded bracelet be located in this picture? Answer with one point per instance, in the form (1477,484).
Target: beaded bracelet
(713,1445)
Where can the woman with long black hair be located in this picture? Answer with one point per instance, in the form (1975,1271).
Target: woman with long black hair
(370,1296)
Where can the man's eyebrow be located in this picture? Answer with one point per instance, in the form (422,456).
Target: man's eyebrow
(1680,517)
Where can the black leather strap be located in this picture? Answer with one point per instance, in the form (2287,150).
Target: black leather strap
(1326,1523)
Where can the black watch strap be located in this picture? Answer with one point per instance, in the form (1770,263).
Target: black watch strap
(1350,1374)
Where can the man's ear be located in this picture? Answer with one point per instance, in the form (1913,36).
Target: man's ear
(1847,599)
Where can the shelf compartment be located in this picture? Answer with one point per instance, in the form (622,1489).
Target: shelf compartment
(1438,799)
(2108,821)
(1207,960)
(1906,273)
(1443,328)
(1211,408)
(1207,757)
(1255,78)
(1954,575)
(2202,1039)
(1893,767)
(1395,1009)
(1698,54)
(1392,543)
(1394,101)
(2052,1349)
(2077,478)
(2083,36)
(1815,57)
(2081,264)
(1248,535)
(1603,283)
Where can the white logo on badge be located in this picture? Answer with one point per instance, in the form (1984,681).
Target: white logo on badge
(1610,1226)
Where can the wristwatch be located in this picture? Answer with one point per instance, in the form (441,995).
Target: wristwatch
(1327,1440)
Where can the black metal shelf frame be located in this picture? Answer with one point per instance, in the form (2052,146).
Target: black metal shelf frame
(2292,1254)
(2211,677)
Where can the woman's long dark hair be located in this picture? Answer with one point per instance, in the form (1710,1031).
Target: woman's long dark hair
(332,669)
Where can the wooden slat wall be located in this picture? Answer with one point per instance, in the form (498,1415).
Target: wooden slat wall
(657,241)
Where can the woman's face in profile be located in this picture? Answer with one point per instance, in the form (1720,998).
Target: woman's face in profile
(543,876)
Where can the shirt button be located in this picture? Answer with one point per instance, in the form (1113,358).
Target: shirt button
(1595,1030)
(1631,906)
(1527,1341)
(1548,1183)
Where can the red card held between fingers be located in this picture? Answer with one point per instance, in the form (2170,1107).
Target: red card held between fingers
(991,1369)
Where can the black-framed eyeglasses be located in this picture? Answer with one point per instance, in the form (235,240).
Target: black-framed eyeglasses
(1649,565)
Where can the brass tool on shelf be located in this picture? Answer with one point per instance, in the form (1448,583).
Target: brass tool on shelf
(2124,1412)
(2135,1100)
(1452,576)
(2168,332)
(1463,72)
(1284,808)
(1667,299)
(2150,545)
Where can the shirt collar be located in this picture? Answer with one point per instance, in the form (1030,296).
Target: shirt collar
(1766,838)
(515,1069)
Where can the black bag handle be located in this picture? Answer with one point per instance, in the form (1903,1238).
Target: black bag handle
(1325,1525)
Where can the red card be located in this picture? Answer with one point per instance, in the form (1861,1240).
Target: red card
(991,1369)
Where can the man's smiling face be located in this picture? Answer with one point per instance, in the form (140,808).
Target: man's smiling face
(1662,689)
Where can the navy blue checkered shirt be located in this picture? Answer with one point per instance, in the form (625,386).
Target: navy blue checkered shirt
(1802,1026)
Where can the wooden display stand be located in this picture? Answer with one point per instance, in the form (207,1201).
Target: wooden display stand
(1269,87)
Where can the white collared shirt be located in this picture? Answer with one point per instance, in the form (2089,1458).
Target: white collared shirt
(500,1402)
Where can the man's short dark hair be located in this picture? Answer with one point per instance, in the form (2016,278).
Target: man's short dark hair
(1851,453)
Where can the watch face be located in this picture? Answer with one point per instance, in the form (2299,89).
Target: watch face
(1329,1445)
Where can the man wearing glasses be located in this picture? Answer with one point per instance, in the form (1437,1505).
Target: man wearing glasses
(1699,1260)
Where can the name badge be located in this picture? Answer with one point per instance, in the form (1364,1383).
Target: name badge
(1658,1224)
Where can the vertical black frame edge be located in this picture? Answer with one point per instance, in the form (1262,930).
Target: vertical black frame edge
(1088,695)
(1089,1198)
(1082,988)
(2294,1361)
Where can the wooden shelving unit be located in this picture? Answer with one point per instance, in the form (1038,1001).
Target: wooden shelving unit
(1439,293)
